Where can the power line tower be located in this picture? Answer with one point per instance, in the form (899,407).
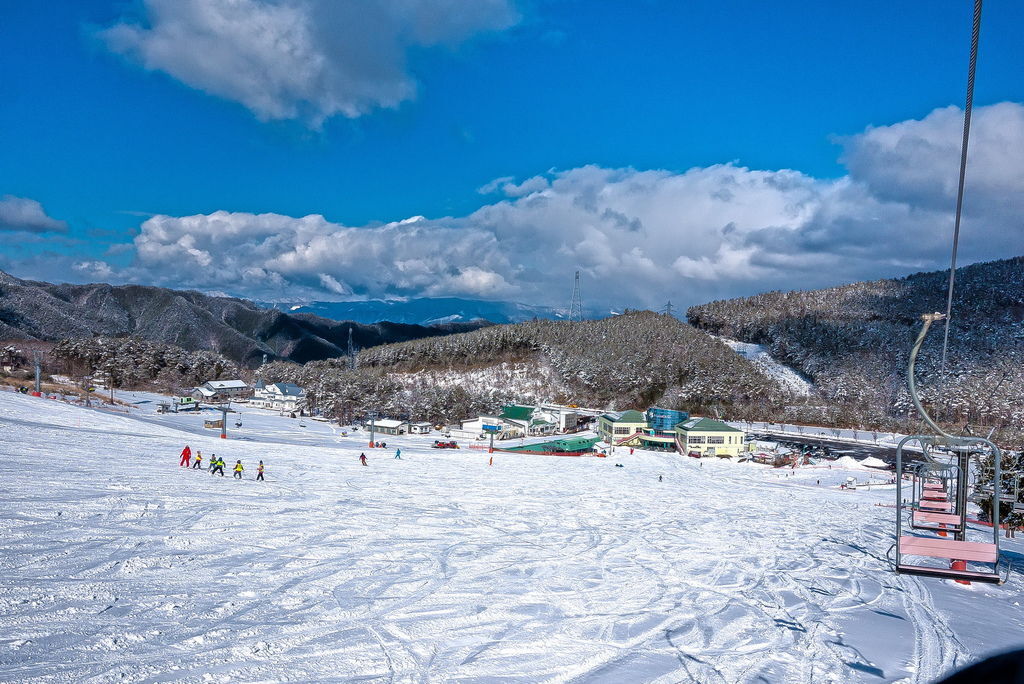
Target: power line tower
(668,309)
(576,306)
(351,351)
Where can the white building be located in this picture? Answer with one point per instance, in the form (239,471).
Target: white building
(221,390)
(279,396)
(502,428)
(420,428)
(386,426)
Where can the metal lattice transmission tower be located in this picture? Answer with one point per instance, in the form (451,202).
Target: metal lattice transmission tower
(351,351)
(576,305)
(668,309)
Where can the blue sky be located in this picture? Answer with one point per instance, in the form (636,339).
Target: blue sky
(102,140)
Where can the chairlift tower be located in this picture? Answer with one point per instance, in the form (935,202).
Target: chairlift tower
(37,358)
(576,305)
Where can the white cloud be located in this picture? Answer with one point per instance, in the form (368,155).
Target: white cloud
(308,59)
(98,270)
(639,237)
(23,214)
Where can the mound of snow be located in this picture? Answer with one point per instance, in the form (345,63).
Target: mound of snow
(872,462)
(846,462)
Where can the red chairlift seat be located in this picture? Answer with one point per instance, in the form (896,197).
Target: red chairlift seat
(937,547)
(936,506)
(926,520)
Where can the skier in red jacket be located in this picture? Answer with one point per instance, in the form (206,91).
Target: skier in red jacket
(186,454)
(362,458)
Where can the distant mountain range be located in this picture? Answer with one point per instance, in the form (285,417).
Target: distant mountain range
(236,328)
(430,311)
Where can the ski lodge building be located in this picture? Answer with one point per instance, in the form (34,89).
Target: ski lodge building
(621,427)
(279,396)
(670,430)
(710,437)
(518,420)
(221,390)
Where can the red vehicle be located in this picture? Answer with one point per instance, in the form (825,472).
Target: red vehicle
(445,444)
(694,454)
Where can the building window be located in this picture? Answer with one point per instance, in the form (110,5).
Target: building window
(716,440)
(695,439)
(622,431)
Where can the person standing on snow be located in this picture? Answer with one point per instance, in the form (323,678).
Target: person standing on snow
(398,454)
(259,471)
(362,458)
(216,464)
(238,469)
(199,461)
(186,454)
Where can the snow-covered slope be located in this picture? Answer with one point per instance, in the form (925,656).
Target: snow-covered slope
(118,565)
(784,375)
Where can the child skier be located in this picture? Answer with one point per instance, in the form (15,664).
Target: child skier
(199,461)
(362,458)
(216,464)
(186,454)
(259,471)
(238,469)
(398,454)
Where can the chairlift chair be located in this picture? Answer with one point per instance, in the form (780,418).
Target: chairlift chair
(949,514)
(933,507)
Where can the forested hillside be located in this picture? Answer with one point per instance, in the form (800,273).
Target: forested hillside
(236,328)
(628,361)
(854,341)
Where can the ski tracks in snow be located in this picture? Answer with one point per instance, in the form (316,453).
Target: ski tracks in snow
(439,567)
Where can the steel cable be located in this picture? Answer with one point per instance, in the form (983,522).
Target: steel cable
(975,30)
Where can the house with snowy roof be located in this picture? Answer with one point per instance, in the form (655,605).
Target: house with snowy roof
(221,390)
(279,396)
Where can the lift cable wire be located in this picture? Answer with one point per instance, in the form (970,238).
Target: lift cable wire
(975,30)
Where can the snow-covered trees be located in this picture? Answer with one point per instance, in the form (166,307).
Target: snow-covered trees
(131,362)
(633,360)
(853,341)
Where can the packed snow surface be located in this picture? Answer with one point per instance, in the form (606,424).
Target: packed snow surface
(784,375)
(119,565)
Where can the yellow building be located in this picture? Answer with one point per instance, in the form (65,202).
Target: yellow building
(710,437)
(621,427)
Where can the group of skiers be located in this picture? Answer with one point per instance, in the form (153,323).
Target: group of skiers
(216,464)
(362,456)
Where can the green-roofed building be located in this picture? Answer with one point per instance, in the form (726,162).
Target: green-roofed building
(622,427)
(517,412)
(569,445)
(711,437)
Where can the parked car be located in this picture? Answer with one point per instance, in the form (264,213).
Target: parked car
(694,454)
(445,444)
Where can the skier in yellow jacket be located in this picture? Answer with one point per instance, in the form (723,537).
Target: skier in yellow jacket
(238,469)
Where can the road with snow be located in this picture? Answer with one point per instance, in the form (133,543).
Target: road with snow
(118,565)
